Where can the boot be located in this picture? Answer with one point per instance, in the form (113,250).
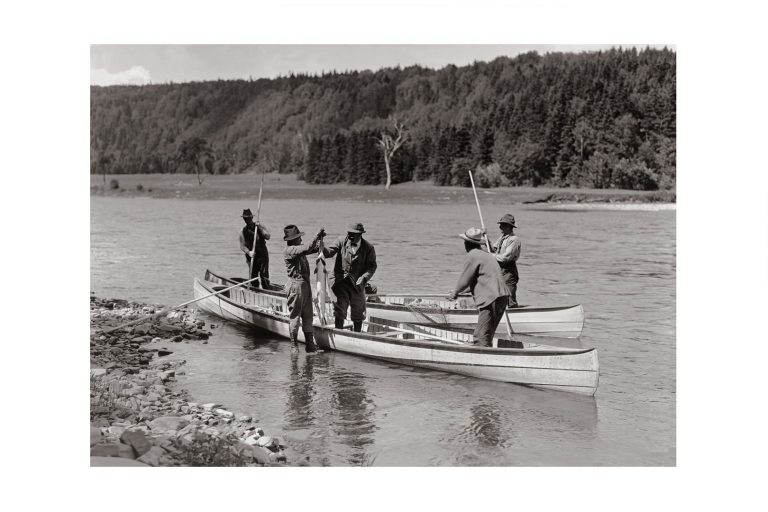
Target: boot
(310,347)
(339,322)
(357,326)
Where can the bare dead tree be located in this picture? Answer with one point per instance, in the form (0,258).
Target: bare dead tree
(389,145)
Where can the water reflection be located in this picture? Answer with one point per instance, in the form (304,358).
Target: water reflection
(299,413)
(354,410)
(326,404)
(485,424)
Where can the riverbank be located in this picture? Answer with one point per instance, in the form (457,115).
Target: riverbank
(286,186)
(138,414)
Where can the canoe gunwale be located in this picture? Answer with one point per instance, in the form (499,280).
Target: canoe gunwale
(466,348)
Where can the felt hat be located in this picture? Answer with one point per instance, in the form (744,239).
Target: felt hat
(508,218)
(473,235)
(247,214)
(291,232)
(356,227)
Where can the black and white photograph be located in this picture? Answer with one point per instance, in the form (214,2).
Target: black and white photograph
(383,255)
(436,255)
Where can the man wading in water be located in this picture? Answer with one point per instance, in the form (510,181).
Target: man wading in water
(259,254)
(354,267)
(507,249)
(299,290)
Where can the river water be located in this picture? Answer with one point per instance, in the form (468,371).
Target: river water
(347,410)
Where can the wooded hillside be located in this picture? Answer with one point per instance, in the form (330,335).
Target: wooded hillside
(602,120)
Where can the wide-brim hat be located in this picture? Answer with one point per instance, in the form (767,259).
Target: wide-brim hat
(291,232)
(507,219)
(356,227)
(473,235)
(247,214)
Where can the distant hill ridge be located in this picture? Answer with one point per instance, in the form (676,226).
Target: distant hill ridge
(601,119)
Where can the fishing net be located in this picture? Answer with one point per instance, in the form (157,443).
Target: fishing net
(427,311)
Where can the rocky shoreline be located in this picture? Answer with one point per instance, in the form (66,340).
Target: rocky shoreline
(138,418)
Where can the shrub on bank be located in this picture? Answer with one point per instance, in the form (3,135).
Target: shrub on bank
(114,185)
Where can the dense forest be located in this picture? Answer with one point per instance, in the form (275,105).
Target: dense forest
(600,120)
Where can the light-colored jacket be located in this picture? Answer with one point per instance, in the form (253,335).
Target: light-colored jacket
(507,249)
(482,275)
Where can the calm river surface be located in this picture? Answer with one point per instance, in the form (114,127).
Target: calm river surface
(347,410)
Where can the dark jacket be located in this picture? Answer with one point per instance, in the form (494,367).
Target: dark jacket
(362,263)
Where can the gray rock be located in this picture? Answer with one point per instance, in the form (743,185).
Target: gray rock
(112,450)
(115,431)
(153,397)
(98,372)
(224,413)
(153,456)
(265,441)
(244,418)
(137,440)
(166,423)
(96,435)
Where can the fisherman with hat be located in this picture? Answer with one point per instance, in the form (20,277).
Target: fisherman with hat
(507,251)
(354,267)
(482,275)
(259,253)
(299,289)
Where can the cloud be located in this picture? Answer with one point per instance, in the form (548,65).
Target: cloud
(136,75)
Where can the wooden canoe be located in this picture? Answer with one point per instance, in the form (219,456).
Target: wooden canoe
(529,364)
(556,322)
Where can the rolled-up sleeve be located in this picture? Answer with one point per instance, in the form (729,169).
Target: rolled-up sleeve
(509,252)
(301,250)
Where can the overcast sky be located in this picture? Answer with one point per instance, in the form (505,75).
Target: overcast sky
(141,64)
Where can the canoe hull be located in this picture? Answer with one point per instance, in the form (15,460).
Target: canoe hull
(556,322)
(572,370)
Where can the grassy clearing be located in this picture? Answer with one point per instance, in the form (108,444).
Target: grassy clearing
(286,186)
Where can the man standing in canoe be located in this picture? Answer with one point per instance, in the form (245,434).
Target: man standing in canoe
(259,254)
(354,267)
(507,249)
(482,275)
(299,289)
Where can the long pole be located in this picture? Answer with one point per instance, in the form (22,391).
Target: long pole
(165,311)
(510,331)
(256,228)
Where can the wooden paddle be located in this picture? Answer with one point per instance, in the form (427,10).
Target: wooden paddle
(488,244)
(256,229)
(168,310)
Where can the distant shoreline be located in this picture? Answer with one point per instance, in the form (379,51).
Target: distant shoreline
(286,186)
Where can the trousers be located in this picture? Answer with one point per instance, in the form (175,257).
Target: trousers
(511,278)
(488,319)
(299,307)
(260,269)
(348,295)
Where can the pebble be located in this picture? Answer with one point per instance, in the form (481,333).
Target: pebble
(135,416)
